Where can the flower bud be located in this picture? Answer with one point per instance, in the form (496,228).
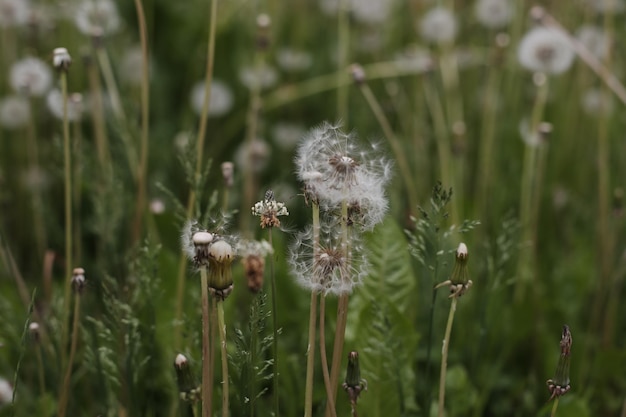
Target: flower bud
(220,279)
(188,389)
(228,171)
(78,280)
(61,59)
(560,384)
(353,384)
(33,330)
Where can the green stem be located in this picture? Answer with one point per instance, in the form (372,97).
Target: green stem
(310,362)
(65,387)
(207,391)
(444,358)
(180,286)
(330,395)
(343,29)
(222,331)
(554,407)
(142,169)
(42,379)
(275,328)
(67,173)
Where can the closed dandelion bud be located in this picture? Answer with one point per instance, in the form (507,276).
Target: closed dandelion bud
(188,388)
(221,256)
(228,174)
(263,23)
(78,280)
(459,281)
(353,384)
(61,59)
(358,74)
(202,242)
(560,384)
(33,330)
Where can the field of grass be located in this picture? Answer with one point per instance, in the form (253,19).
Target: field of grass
(207,207)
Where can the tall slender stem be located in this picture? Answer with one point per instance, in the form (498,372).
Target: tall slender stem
(207,391)
(330,395)
(222,331)
(444,358)
(142,169)
(275,328)
(180,287)
(67,173)
(41,370)
(343,29)
(65,387)
(554,407)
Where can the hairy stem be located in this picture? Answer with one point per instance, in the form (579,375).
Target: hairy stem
(444,358)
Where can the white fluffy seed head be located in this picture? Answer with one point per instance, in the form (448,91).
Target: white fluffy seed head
(494,14)
(438,25)
(14,13)
(61,59)
(97,17)
(75,105)
(546,50)
(221,98)
(461,251)
(14,112)
(6,392)
(31,76)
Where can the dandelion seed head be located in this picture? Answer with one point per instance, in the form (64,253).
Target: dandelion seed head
(31,76)
(14,112)
(595,40)
(61,59)
(221,252)
(286,134)
(597,102)
(253,156)
(131,66)
(97,17)
(14,13)
(438,25)
(180,361)
(6,392)
(413,58)
(494,14)
(607,6)
(221,98)
(262,77)
(545,50)
(293,60)
(371,12)
(75,105)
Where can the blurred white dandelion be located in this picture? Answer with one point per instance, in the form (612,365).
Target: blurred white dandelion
(75,105)
(413,58)
(14,13)
(293,60)
(545,50)
(596,102)
(14,112)
(606,6)
(494,14)
(220,102)
(595,40)
(31,76)
(287,134)
(438,25)
(95,17)
(253,156)
(6,391)
(131,65)
(262,77)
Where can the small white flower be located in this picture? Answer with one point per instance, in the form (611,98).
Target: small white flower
(269,211)
(97,17)
(438,25)
(6,392)
(31,76)
(293,60)
(494,14)
(545,50)
(75,105)
(262,77)
(14,112)
(14,13)
(595,40)
(220,101)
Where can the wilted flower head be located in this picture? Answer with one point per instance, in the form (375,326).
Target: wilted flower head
(494,14)
(97,17)
(545,50)
(220,99)
(595,40)
(438,25)
(293,60)
(14,12)
(331,268)
(459,281)
(75,105)
(31,76)
(269,210)
(14,112)
(336,169)
(253,253)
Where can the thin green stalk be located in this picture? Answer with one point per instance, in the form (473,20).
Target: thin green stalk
(310,362)
(65,387)
(343,35)
(180,287)
(330,395)
(554,407)
(97,115)
(22,349)
(37,204)
(40,366)
(67,173)
(207,391)
(394,142)
(429,338)
(142,169)
(444,358)
(275,327)
(222,331)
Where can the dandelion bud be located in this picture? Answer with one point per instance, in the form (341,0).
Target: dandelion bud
(228,174)
(560,384)
(353,384)
(459,281)
(61,59)
(78,280)
(263,23)
(188,389)
(201,242)
(33,330)
(358,74)
(220,256)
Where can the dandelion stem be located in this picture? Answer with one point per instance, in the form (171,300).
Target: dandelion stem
(42,379)
(554,407)
(67,173)
(310,361)
(65,387)
(180,287)
(275,327)
(330,408)
(444,358)
(142,169)
(222,331)
(343,30)
(97,115)
(207,377)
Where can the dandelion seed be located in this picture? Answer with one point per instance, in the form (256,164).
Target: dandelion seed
(14,13)
(75,105)
(31,76)
(438,26)
(494,14)
(293,60)
(545,50)
(220,101)
(97,17)
(14,112)
(595,40)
